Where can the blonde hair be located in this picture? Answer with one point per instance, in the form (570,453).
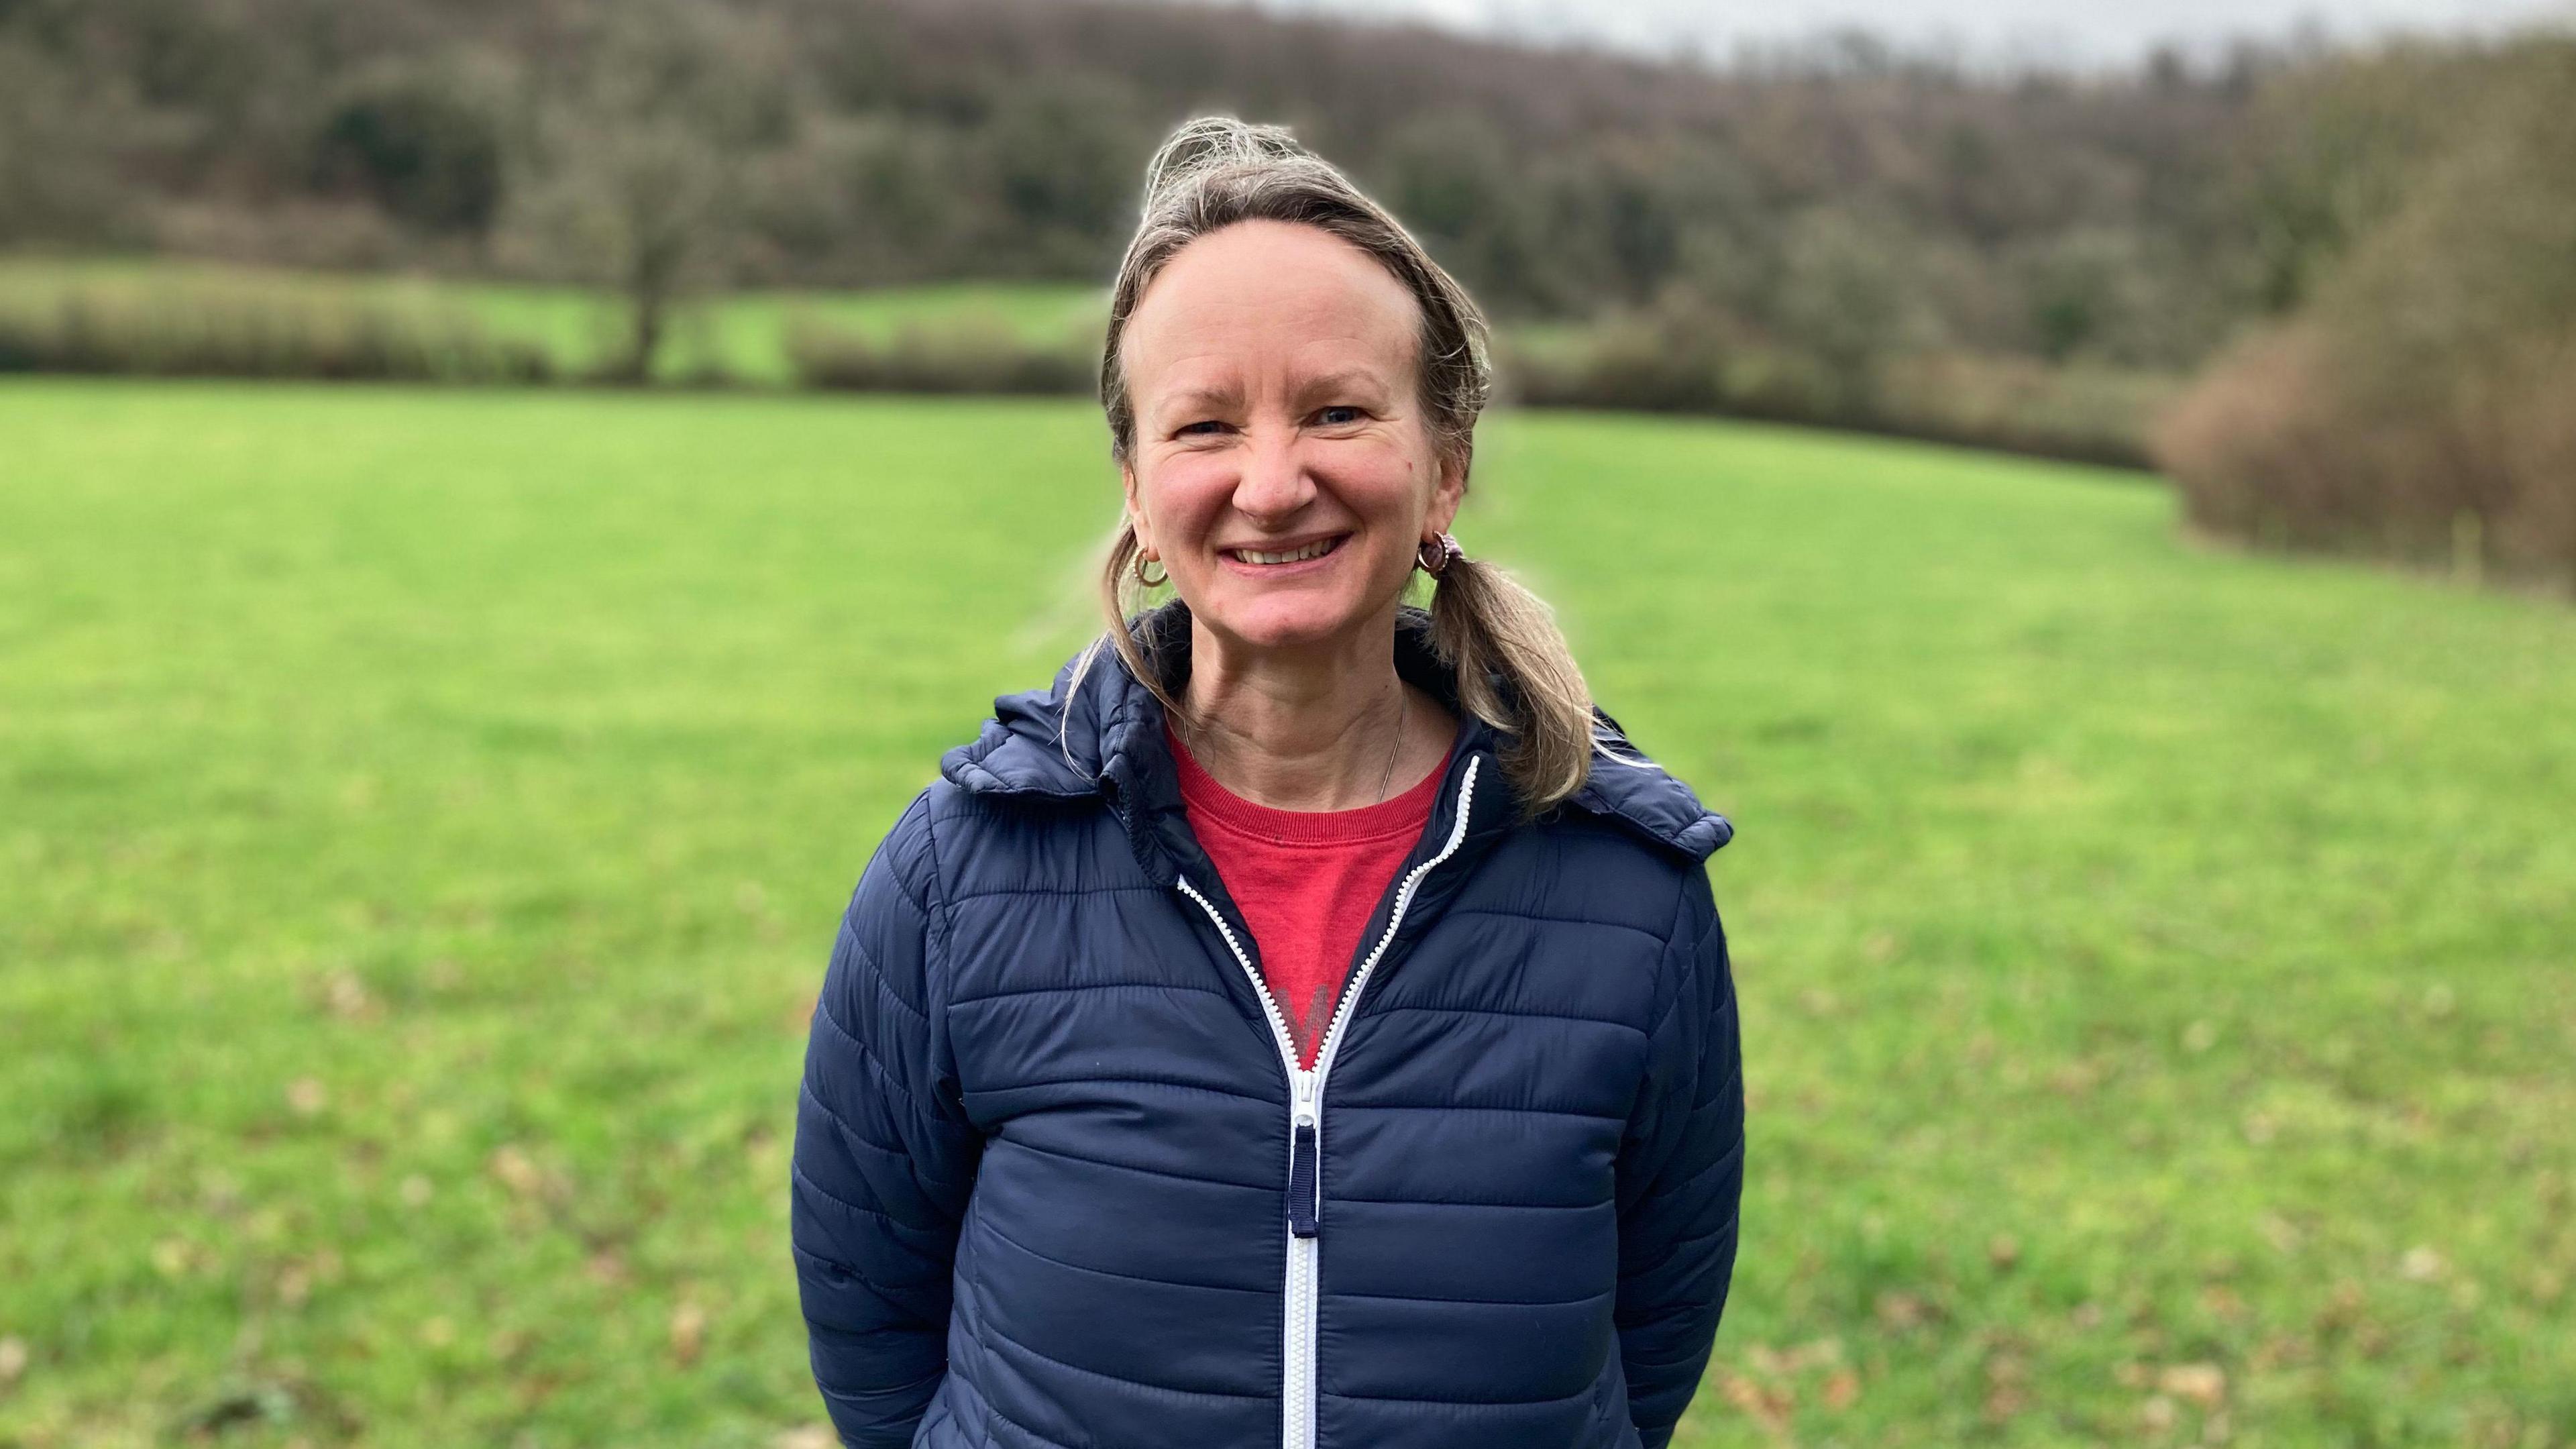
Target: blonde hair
(1216,170)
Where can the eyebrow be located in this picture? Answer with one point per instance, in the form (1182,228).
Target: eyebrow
(1197,397)
(1340,378)
(1214,395)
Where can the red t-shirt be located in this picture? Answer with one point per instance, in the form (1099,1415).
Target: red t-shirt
(1305,880)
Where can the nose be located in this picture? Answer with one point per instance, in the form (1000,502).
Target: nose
(1274,484)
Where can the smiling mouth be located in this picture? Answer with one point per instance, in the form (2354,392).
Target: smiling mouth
(1317,549)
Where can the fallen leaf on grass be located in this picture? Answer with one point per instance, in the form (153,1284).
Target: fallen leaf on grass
(688,1333)
(1773,1363)
(1819,1353)
(2279,1350)
(1901,1310)
(1767,1404)
(2005,1375)
(517,1171)
(13,1358)
(2343,1308)
(2204,1384)
(2283,1234)
(348,997)
(221,1192)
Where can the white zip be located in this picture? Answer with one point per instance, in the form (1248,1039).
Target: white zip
(1306,1094)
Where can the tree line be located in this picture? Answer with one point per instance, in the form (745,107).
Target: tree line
(1845,199)
(2367,257)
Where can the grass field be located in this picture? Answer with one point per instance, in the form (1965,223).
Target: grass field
(424,816)
(741,335)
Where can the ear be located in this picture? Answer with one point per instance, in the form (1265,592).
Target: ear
(1448,493)
(1135,510)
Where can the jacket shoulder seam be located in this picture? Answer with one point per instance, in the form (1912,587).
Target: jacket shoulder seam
(935,969)
(1690,966)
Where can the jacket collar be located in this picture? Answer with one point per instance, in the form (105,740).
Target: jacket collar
(1103,737)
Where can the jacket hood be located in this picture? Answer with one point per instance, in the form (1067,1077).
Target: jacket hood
(1104,738)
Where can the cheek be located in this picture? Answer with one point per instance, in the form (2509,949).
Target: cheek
(1378,476)
(1185,494)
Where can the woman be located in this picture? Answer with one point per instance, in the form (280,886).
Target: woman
(1307,1021)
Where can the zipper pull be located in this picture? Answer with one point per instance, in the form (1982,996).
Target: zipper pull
(1305,1185)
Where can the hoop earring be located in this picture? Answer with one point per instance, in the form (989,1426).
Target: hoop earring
(1442,552)
(1138,569)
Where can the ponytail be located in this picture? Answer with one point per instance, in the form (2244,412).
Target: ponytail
(1489,627)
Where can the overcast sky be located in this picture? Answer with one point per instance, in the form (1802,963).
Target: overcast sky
(2079,32)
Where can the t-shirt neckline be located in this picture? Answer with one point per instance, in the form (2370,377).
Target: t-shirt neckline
(1404,811)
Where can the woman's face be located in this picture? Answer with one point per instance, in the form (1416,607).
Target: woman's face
(1271,366)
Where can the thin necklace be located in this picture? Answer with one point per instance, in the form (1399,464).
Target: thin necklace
(1402,705)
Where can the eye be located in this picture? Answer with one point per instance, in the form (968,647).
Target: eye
(1328,415)
(1190,430)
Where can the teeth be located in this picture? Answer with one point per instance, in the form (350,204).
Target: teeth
(1312,550)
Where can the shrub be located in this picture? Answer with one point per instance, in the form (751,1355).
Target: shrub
(974,354)
(2090,412)
(1647,364)
(189,329)
(1695,364)
(2419,407)
(2281,444)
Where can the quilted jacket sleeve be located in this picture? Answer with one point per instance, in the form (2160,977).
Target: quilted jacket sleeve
(885,1155)
(1681,1176)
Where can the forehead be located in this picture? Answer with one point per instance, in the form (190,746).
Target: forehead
(1262,296)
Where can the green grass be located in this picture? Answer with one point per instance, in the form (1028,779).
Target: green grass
(741,335)
(423,816)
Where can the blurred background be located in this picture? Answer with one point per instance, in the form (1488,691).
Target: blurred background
(501,504)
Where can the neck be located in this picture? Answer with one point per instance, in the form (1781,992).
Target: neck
(1310,727)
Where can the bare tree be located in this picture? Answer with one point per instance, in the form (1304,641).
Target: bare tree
(638,152)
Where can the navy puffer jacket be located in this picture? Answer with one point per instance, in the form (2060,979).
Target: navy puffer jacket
(1059,1181)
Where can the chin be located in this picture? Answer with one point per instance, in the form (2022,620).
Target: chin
(1285,621)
